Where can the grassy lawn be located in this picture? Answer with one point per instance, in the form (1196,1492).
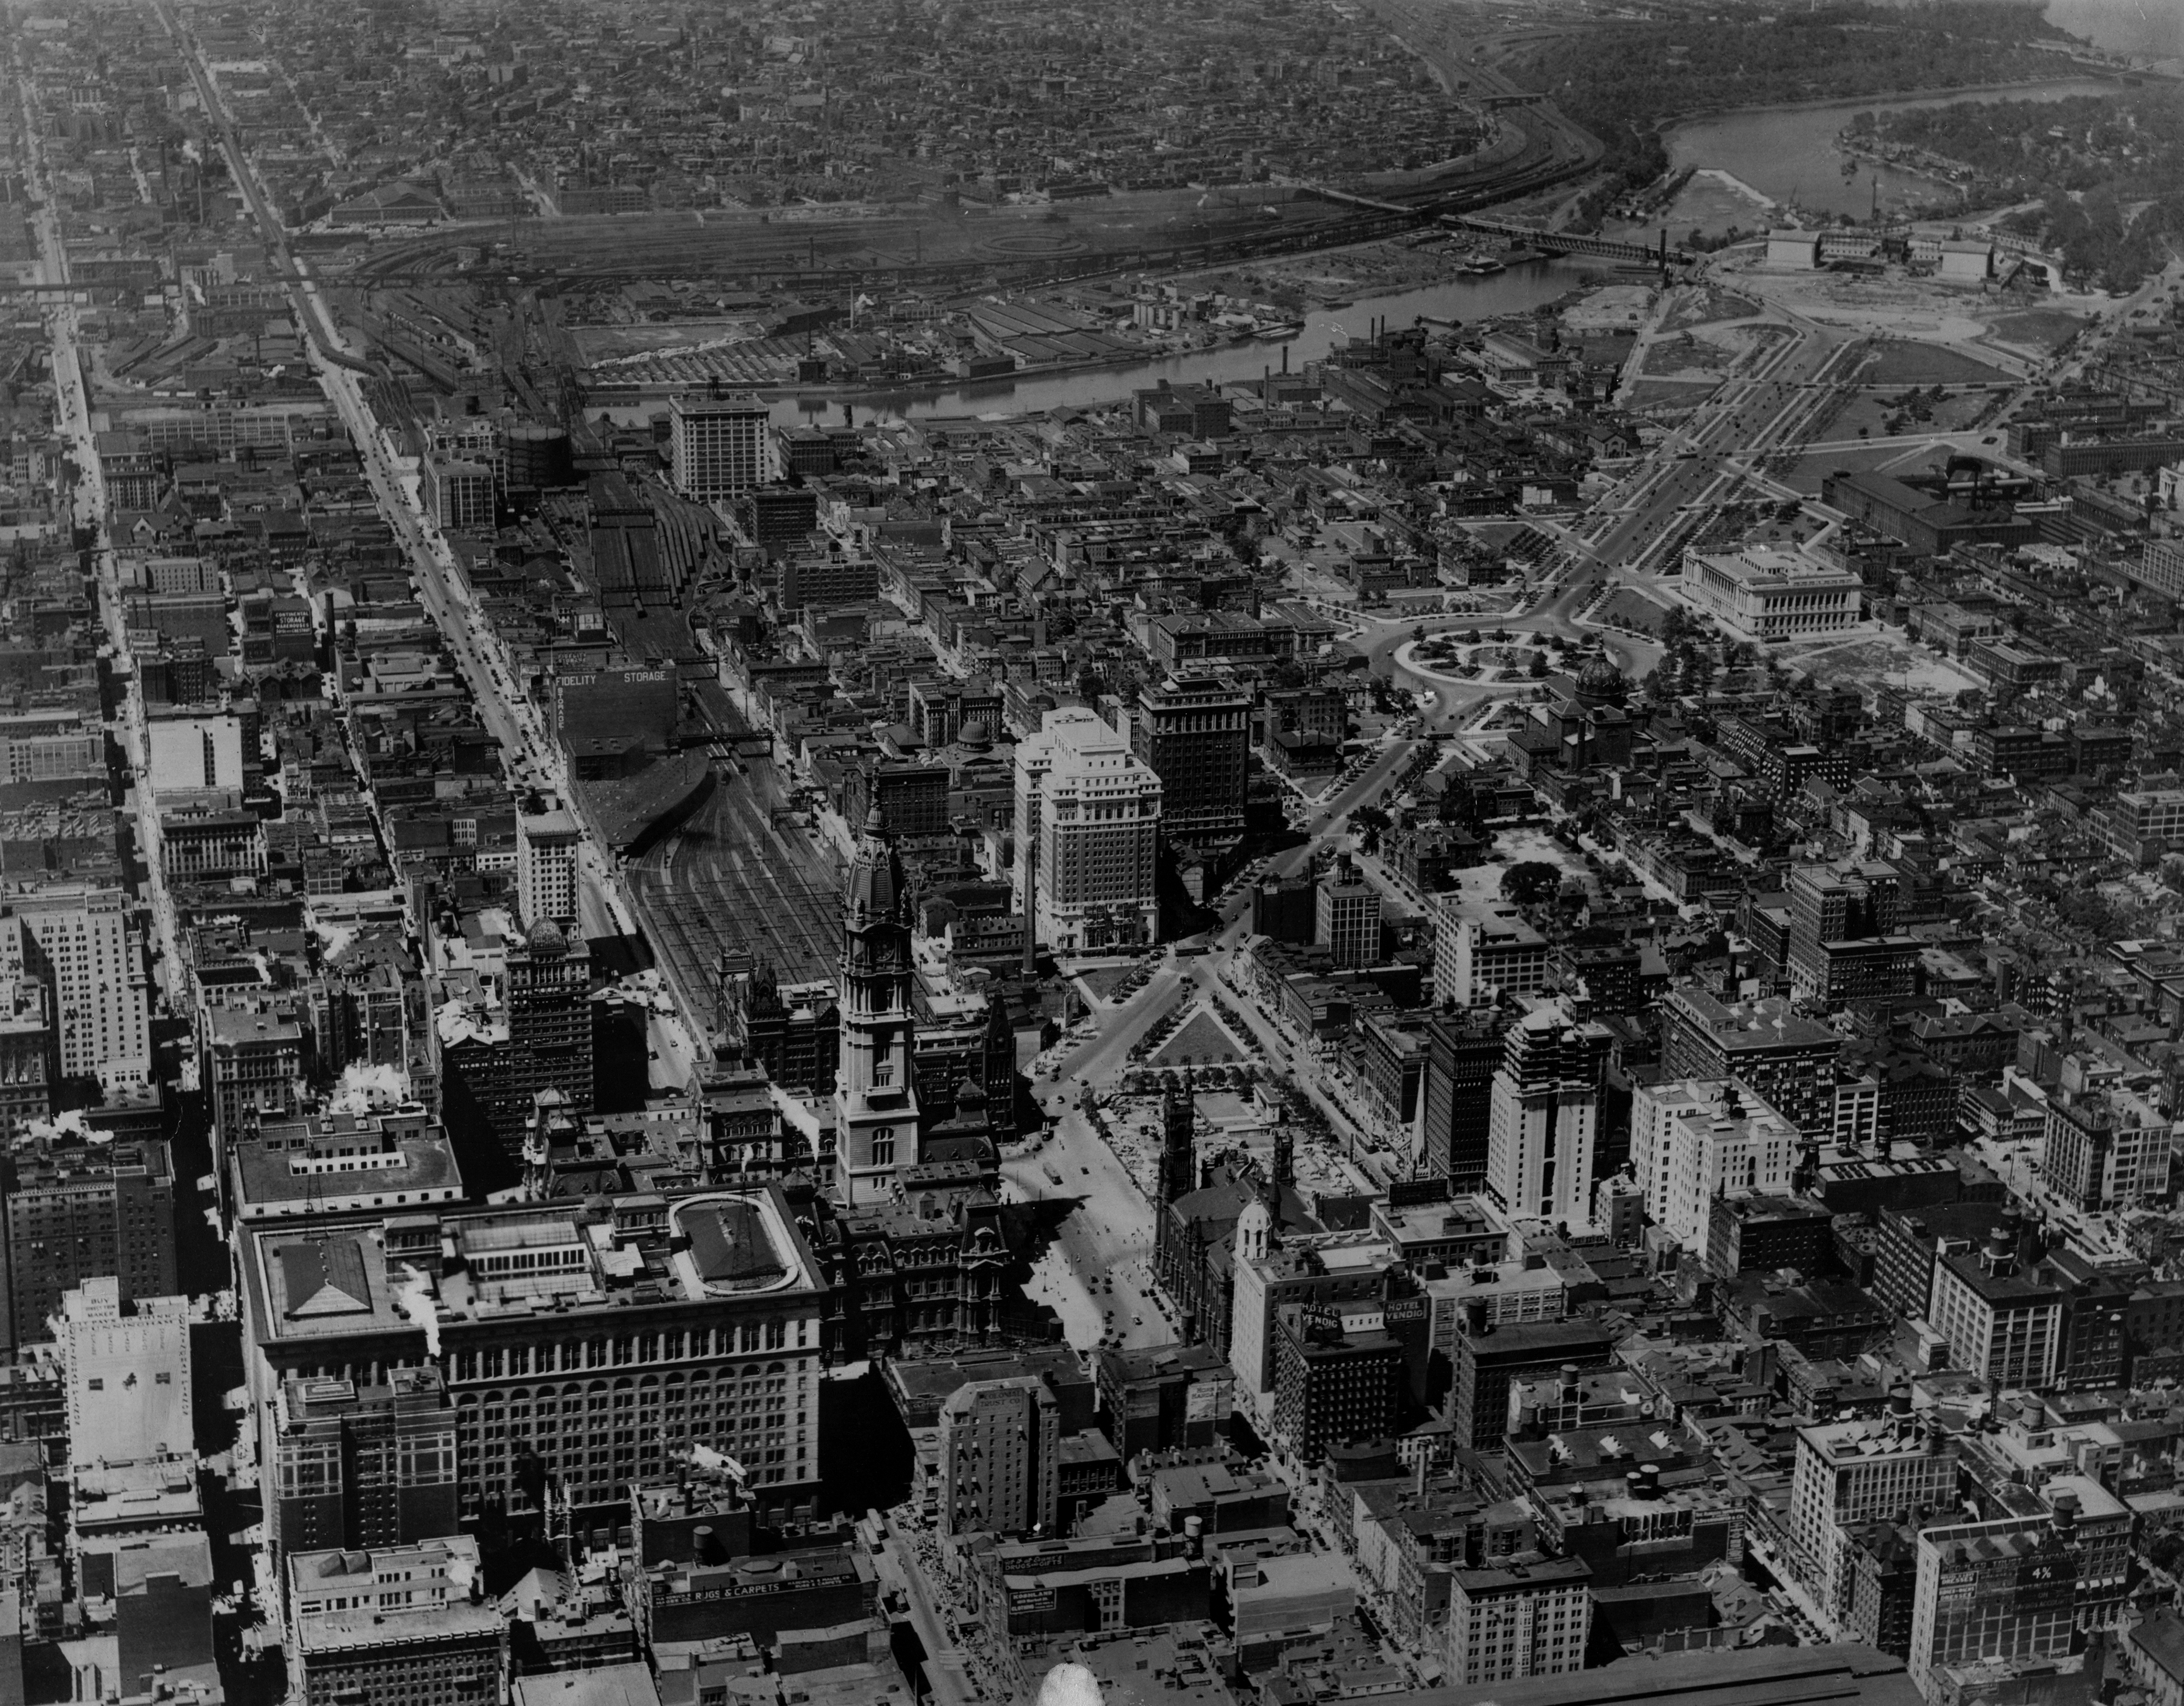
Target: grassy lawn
(1926,363)
(2036,328)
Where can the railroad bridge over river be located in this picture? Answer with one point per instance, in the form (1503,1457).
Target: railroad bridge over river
(1572,243)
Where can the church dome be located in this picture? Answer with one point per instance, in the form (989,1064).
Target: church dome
(978,733)
(1601,679)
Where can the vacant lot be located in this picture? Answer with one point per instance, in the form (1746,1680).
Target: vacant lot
(1710,306)
(1675,396)
(1883,658)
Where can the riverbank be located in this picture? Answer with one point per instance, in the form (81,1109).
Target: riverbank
(1701,115)
(1789,153)
(1516,292)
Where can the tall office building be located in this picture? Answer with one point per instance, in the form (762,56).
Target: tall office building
(1194,733)
(549,1018)
(80,941)
(458,494)
(1478,954)
(1789,1062)
(2109,1149)
(1526,1614)
(723,446)
(2001,1316)
(876,1128)
(999,1453)
(546,868)
(1338,1376)
(594,1351)
(1346,916)
(1464,1051)
(1087,830)
(1544,1120)
(1693,1142)
(363,1465)
(1843,944)
(81,1209)
(1848,1474)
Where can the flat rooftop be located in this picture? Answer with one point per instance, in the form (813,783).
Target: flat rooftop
(306,1282)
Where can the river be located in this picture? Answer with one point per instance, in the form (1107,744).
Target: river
(1518,291)
(1788,153)
(2151,27)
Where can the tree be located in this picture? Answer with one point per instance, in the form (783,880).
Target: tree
(1531,883)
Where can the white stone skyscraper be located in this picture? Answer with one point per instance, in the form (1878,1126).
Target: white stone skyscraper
(1544,1118)
(82,941)
(1087,836)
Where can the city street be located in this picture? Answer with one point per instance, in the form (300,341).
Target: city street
(484,661)
(74,406)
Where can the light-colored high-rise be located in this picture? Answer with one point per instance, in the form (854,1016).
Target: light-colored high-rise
(81,940)
(723,446)
(1543,1117)
(1087,830)
(1849,1473)
(546,868)
(1693,1140)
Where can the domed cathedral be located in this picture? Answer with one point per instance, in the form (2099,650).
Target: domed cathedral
(876,1133)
